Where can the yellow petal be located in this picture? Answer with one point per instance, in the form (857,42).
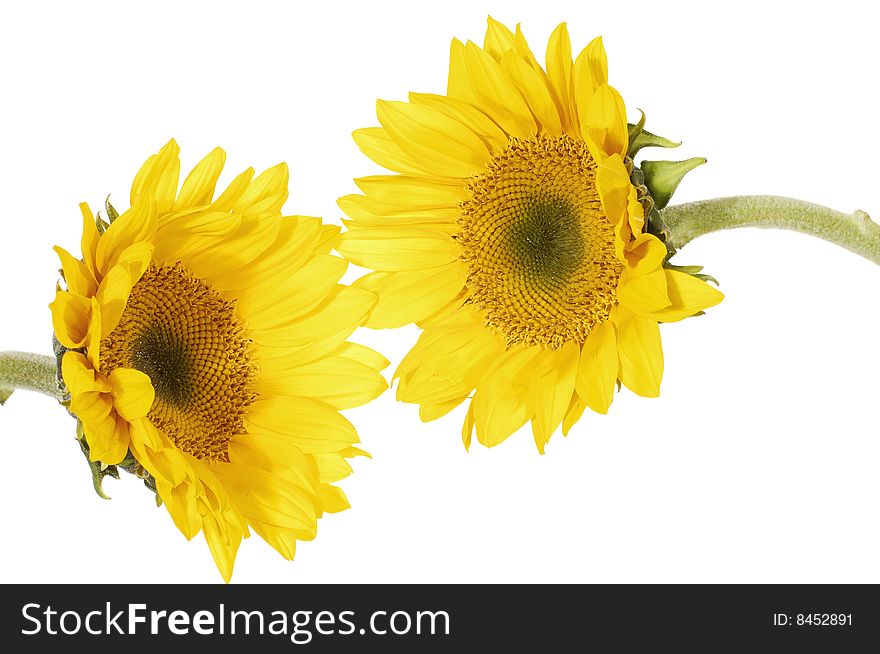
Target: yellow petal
(574,413)
(499,403)
(525,52)
(613,184)
(467,428)
(492,136)
(363,355)
(93,408)
(645,254)
(233,192)
(156,453)
(554,376)
(279,477)
(90,238)
(687,296)
(410,296)
(498,39)
(309,424)
(272,498)
(183,233)
(411,192)
(332,467)
(254,236)
(559,73)
(603,123)
(79,376)
(297,294)
(369,212)
(597,373)
(180,502)
(136,259)
(134,226)
(333,498)
(108,439)
(77,276)
(458,85)
(198,188)
(328,239)
(641,354)
(338,316)
(590,71)
(266,194)
(393,249)
(282,540)
(433,138)
(132,393)
(496,94)
(429,412)
(378,145)
(223,546)
(94,335)
(297,238)
(448,360)
(116,286)
(70,319)
(158,178)
(534,88)
(340,382)
(644,293)
(635,212)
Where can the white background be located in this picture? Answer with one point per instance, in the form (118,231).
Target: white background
(758,463)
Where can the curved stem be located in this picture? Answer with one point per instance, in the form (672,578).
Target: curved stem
(856,231)
(32,372)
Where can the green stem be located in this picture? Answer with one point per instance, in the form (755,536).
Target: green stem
(856,231)
(31,372)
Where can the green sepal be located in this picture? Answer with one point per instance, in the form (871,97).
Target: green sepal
(635,130)
(98,469)
(706,278)
(5,394)
(645,139)
(663,177)
(101,224)
(693,271)
(112,214)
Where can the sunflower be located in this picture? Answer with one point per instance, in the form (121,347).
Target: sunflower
(206,340)
(516,234)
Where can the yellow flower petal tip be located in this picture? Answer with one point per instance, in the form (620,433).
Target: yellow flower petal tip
(518,234)
(210,335)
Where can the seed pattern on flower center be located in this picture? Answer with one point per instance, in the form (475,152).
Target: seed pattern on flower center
(187,338)
(539,249)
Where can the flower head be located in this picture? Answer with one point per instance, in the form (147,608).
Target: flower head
(518,234)
(206,341)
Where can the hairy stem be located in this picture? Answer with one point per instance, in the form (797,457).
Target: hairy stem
(31,372)
(856,231)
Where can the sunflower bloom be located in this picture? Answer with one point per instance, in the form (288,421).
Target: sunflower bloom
(206,341)
(515,234)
